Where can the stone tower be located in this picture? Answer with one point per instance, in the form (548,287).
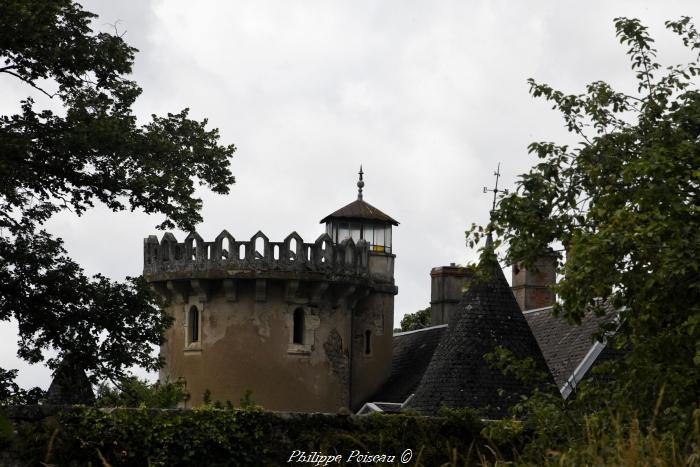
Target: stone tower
(305,326)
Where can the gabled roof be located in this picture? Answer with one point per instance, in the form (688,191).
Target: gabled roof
(564,345)
(412,352)
(379,407)
(458,375)
(359,210)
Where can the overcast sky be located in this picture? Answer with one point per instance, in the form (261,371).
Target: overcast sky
(428,96)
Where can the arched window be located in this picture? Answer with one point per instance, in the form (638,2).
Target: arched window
(298,337)
(368,342)
(193,324)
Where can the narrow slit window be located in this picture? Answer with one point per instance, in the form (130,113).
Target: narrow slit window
(368,342)
(193,324)
(298,337)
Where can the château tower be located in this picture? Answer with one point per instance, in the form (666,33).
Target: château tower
(305,326)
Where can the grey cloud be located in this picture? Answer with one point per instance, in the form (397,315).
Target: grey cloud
(429,96)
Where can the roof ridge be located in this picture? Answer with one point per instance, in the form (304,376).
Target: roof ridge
(403,333)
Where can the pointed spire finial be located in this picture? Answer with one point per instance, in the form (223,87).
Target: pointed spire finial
(360,184)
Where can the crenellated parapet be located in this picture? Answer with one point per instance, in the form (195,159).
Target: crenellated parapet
(227,257)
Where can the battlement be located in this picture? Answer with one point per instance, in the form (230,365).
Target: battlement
(227,257)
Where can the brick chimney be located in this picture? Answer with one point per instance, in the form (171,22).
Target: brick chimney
(532,286)
(447,284)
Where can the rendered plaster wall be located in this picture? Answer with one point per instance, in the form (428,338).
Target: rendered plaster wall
(247,344)
(381,266)
(375,313)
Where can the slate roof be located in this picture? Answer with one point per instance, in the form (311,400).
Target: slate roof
(359,210)
(458,375)
(564,345)
(412,352)
(70,385)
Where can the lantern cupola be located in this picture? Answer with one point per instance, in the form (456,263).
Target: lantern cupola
(360,220)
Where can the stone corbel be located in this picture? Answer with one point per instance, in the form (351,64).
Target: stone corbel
(230,289)
(290,290)
(201,289)
(161,289)
(343,292)
(178,291)
(357,296)
(317,291)
(260,290)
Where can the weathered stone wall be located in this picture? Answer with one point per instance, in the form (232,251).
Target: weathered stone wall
(195,257)
(247,344)
(246,294)
(375,314)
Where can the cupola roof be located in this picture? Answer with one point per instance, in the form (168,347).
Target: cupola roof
(360,209)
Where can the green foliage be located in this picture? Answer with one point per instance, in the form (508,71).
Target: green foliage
(623,203)
(5,430)
(206,397)
(91,151)
(135,392)
(143,437)
(466,417)
(12,394)
(592,427)
(235,437)
(625,445)
(525,370)
(247,402)
(504,432)
(418,320)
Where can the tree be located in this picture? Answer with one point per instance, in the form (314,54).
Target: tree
(92,151)
(623,204)
(135,392)
(418,320)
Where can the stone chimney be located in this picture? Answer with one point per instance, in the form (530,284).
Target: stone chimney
(446,287)
(532,286)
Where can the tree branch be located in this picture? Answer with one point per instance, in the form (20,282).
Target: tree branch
(4,70)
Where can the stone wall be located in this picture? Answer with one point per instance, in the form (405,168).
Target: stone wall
(195,256)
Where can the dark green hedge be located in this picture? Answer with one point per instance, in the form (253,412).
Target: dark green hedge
(212,437)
